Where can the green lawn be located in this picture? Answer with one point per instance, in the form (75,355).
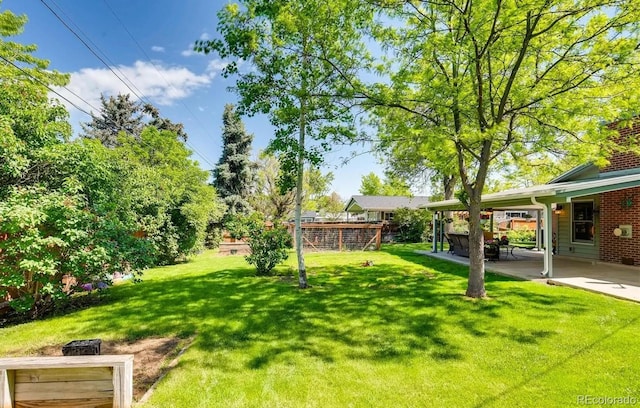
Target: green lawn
(396,334)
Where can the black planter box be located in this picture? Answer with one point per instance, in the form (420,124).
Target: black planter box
(82,348)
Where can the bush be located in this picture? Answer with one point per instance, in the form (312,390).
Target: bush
(269,247)
(47,235)
(521,235)
(413,225)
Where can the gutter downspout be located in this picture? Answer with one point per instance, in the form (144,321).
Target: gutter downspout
(548,238)
(538,230)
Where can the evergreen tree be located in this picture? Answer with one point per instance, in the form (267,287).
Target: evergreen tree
(121,114)
(117,114)
(233,177)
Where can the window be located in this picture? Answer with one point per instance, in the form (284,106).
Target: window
(582,221)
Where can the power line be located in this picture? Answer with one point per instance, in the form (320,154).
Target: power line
(51,89)
(38,80)
(161,75)
(140,96)
(90,49)
(104,55)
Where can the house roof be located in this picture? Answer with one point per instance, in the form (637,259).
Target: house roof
(360,203)
(558,192)
(574,173)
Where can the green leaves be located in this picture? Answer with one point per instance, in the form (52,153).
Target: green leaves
(233,175)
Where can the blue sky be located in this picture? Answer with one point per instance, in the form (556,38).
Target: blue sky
(150,43)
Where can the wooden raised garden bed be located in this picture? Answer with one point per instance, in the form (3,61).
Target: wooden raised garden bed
(70,381)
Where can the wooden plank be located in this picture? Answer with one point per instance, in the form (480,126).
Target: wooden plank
(342,225)
(309,242)
(15,363)
(7,381)
(42,375)
(123,385)
(72,403)
(370,242)
(63,390)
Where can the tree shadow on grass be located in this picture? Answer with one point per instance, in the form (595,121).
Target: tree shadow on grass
(379,315)
(385,312)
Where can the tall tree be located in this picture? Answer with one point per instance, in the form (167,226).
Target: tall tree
(316,187)
(121,114)
(371,184)
(301,53)
(29,120)
(267,197)
(117,114)
(524,78)
(233,175)
(331,206)
(170,195)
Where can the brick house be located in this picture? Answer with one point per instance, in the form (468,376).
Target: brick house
(594,212)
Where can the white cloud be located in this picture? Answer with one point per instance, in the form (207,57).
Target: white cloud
(216,65)
(190,52)
(162,85)
(157,48)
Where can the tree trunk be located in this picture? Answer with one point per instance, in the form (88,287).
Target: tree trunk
(302,270)
(475,285)
(449,188)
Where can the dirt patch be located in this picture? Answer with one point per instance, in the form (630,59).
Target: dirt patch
(151,358)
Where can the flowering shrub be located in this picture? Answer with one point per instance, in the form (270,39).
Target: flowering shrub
(47,235)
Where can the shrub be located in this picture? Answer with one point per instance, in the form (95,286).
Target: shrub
(269,246)
(521,235)
(413,225)
(47,235)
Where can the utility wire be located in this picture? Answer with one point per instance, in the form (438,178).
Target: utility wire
(140,96)
(90,49)
(155,67)
(51,89)
(38,80)
(104,55)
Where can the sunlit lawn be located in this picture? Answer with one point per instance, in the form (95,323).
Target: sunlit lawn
(395,334)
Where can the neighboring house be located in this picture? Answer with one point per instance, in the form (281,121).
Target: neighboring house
(309,216)
(315,216)
(515,220)
(380,208)
(594,212)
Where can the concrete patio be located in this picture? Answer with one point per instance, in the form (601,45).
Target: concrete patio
(620,281)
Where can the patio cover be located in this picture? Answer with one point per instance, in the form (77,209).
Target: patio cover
(533,197)
(541,197)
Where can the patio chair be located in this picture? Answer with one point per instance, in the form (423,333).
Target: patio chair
(451,244)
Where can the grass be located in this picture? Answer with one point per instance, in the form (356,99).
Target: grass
(399,333)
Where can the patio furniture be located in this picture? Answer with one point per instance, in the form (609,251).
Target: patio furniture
(461,246)
(452,244)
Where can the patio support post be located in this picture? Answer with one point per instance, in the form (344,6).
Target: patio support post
(548,238)
(434,241)
(548,241)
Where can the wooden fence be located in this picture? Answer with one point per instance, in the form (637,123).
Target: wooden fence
(340,236)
